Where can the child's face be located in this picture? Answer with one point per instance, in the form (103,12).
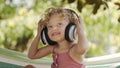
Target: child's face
(56,27)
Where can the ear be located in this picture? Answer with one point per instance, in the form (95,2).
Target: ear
(45,38)
(70,32)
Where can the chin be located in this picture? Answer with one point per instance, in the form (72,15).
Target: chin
(57,39)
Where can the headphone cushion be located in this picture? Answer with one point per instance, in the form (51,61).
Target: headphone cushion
(70,32)
(45,38)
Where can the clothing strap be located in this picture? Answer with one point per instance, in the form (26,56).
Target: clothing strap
(53,51)
(70,48)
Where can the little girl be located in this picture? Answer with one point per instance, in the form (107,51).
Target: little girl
(66,53)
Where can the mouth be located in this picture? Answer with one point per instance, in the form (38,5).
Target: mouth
(56,34)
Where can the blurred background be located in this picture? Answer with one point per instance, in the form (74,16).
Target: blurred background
(19,19)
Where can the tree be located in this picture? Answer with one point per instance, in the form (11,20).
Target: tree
(95,3)
(18,22)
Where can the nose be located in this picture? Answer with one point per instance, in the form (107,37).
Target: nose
(55,28)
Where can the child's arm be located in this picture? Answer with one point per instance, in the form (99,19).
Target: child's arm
(82,45)
(34,52)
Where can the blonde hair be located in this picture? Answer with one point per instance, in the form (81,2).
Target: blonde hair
(63,12)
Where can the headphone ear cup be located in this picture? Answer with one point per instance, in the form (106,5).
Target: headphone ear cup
(70,32)
(45,38)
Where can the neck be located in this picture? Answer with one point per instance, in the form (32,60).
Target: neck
(64,44)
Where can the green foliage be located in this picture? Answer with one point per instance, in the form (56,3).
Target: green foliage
(10,35)
(8,11)
(18,26)
(103,32)
(16,32)
(38,7)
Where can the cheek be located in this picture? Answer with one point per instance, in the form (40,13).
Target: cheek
(63,31)
(49,32)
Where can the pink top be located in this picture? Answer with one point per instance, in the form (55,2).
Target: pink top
(63,60)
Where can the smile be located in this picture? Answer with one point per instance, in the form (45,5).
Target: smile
(56,34)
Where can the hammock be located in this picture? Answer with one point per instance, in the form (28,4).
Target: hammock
(13,59)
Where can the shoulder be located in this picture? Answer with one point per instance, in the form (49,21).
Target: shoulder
(76,49)
(50,48)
